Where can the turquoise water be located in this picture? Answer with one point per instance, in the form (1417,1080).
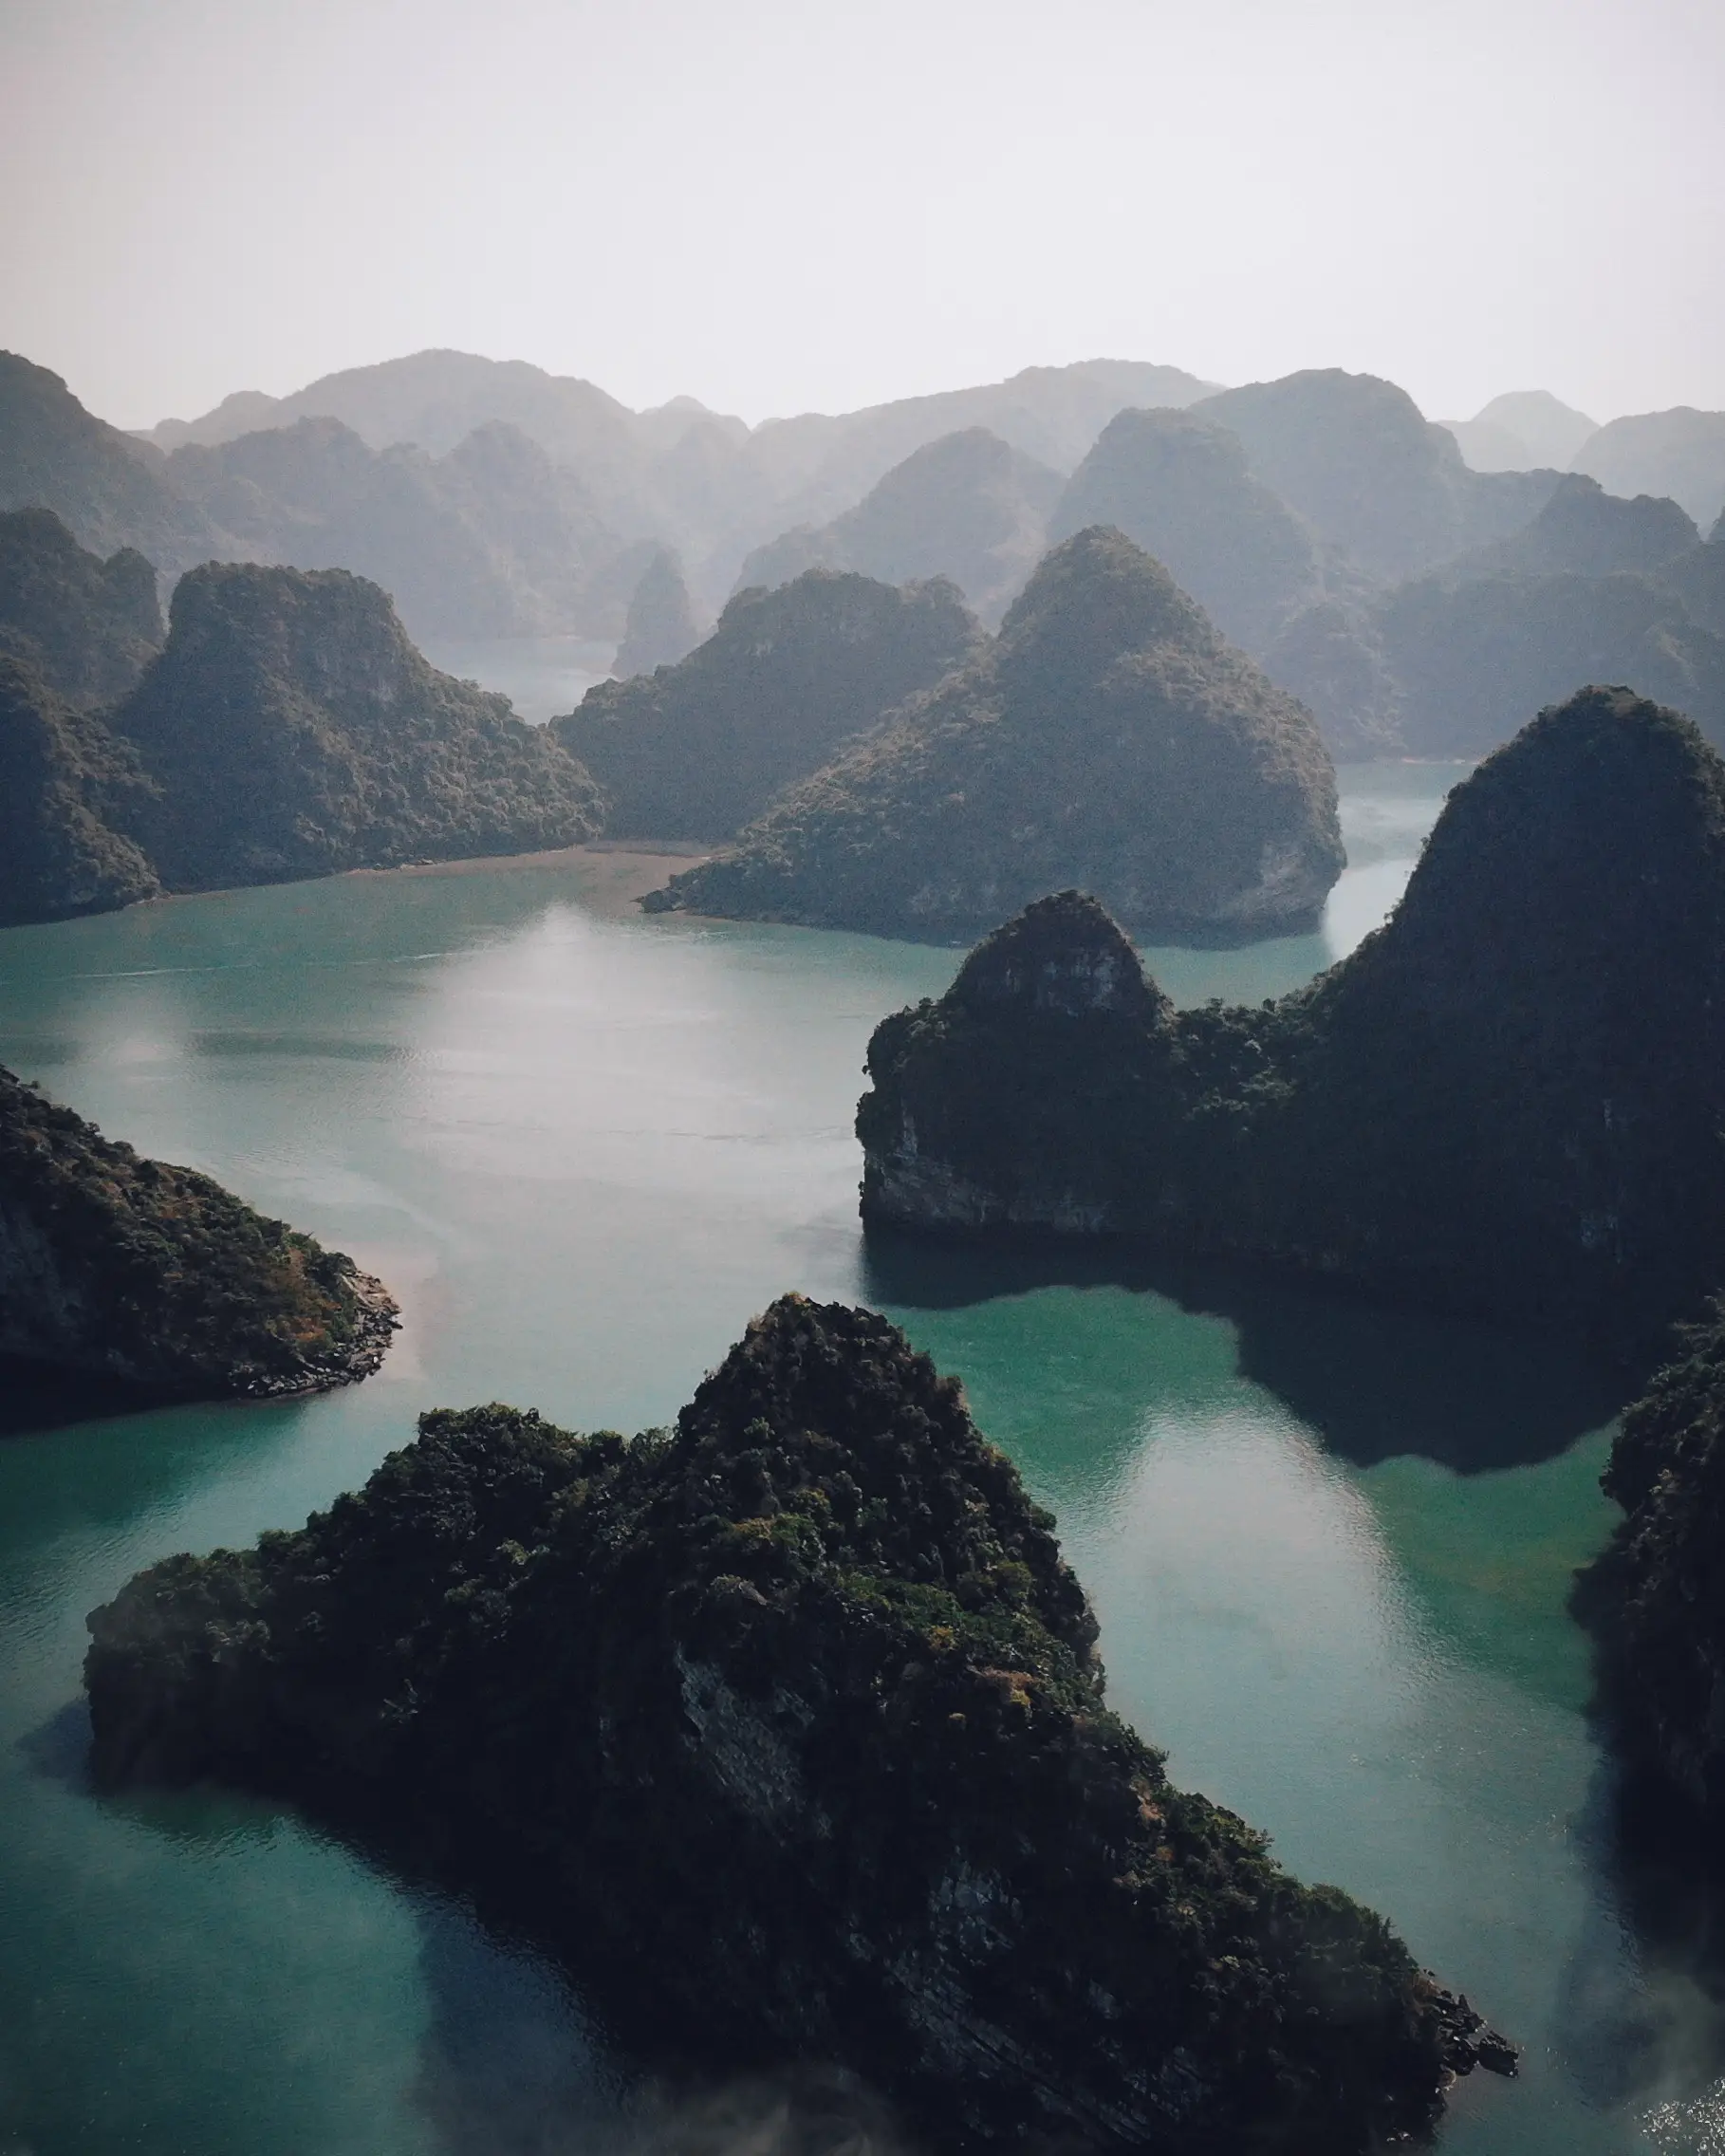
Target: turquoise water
(1329,1549)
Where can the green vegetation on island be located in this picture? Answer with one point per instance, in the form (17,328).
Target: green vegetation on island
(90,626)
(695,750)
(791,1716)
(67,791)
(127,1267)
(1108,737)
(289,728)
(1445,665)
(1655,1599)
(1507,1101)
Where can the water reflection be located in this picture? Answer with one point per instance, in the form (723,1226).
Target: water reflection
(1374,1383)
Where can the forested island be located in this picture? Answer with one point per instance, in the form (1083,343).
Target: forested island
(287,728)
(116,1266)
(1108,735)
(87,625)
(1507,1100)
(792,1715)
(787,678)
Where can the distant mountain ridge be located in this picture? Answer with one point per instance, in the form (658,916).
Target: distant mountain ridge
(699,480)
(968,506)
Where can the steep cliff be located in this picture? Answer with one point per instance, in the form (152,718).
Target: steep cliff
(89,626)
(1108,737)
(793,1714)
(67,787)
(661,627)
(695,750)
(1509,1100)
(292,730)
(154,1275)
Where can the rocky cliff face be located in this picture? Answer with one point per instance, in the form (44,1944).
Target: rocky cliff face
(1509,1100)
(794,1717)
(154,1275)
(1108,737)
(290,729)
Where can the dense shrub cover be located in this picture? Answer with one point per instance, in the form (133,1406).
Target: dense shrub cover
(292,730)
(66,786)
(87,625)
(793,1712)
(1510,1099)
(695,750)
(117,1264)
(1108,737)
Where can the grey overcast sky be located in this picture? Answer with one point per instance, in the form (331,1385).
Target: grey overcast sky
(783,205)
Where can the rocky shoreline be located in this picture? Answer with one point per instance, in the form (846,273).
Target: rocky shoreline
(118,1267)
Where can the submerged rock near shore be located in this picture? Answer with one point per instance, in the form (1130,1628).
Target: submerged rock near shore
(118,1265)
(793,1714)
(1107,737)
(1507,1101)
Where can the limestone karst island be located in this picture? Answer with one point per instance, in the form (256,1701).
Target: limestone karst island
(863,1080)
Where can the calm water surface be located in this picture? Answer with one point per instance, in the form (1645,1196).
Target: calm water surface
(1329,1549)
(541,675)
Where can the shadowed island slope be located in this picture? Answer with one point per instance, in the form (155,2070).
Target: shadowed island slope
(1509,1100)
(116,1266)
(1446,665)
(67,789)
(1655,1598)
(90,626)
(695,750)
(292,730)
(1108,737)
(793,1716)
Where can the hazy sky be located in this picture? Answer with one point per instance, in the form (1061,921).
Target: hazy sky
(779,205)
